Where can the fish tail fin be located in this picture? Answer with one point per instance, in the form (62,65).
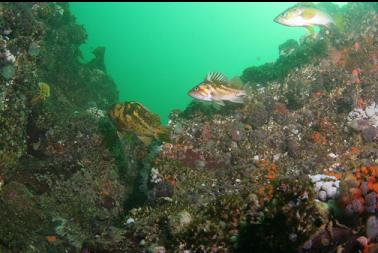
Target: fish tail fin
(164,134)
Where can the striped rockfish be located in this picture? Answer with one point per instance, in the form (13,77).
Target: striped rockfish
(216,88)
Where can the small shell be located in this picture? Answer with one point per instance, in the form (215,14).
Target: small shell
(322,195)
(331,192)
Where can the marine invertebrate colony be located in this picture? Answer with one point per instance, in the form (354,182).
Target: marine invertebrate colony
(43,93)
(360,119)
(325,186)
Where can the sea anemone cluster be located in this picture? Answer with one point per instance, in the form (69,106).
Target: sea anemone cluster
(365,121)
(96,112)
(325,186)
(358,191)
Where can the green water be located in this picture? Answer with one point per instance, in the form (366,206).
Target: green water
(156,52)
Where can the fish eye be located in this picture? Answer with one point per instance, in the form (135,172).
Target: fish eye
(196,89)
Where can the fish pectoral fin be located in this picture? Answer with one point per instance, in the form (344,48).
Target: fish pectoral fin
(219,102)
(242,93)
(237,100)
(119,134)
(311,30)
(216,106)
(145,139)
(164,134)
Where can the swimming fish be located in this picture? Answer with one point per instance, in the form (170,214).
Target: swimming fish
(133,117)
(216,88)
(304,16)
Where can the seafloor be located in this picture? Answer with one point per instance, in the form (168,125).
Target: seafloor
(294,169)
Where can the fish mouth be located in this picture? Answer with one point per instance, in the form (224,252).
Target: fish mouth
(191,94)
(194,95)
(197,96)
(277,19)
(280,21)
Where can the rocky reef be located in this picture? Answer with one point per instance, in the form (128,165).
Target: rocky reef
(63,177)
(293,169)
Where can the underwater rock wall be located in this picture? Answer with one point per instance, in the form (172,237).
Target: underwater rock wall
(293,169)
(17,80)
(237,179)
(63,179)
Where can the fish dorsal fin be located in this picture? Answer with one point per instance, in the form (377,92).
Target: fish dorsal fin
(216,77)
(309,13)
(305,4)
(141,105)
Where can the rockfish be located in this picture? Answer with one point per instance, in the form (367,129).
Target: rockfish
(216,88)
(133,117)
(304,16)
